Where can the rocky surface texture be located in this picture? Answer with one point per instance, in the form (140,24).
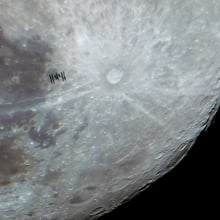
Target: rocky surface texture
(142,82)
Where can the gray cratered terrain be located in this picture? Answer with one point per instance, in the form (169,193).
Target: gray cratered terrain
(142,82)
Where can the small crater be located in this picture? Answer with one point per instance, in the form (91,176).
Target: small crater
(84,195)
(98,211)
(30,213)
(114,76)
(76,200)
(91,188)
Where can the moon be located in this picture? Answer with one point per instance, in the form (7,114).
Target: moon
(99,99)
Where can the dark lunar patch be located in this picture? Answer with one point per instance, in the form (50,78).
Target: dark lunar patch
(19,119)
(11,161)
(47,134)
(43,138)
(23,117)
(22,68)
(24,82)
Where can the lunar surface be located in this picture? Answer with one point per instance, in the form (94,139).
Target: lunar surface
(98,99)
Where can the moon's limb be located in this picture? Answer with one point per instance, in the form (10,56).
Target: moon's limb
(142,83)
